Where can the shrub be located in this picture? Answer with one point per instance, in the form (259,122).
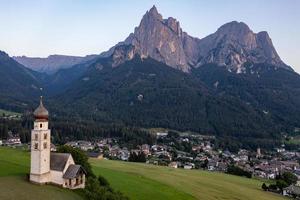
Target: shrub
(264,187)
(238,171)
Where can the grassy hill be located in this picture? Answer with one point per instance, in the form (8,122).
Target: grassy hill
(138,181)
(14,164)
(146,182)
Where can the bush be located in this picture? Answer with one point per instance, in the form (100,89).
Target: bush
(273,187)
(95,191)
(264,187)
(103,181)
(140,157)
(289,178)
(281,184)
(238,171)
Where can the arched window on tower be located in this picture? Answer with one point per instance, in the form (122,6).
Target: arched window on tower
(45,145)
(41,125)
(36,146)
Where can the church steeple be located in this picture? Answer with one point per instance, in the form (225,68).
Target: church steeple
(40,146)
(41,113)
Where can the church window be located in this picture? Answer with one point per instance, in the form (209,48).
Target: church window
(36,146)
(41,125)
(36,136)
(45,145)
(45,136)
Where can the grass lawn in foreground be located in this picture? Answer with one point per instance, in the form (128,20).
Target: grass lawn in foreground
(147,182)
(14,165)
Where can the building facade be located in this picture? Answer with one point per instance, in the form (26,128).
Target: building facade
(47,167)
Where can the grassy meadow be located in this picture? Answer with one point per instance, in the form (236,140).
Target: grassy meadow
(14,165)
(9,113)
(137,181)
(146,182)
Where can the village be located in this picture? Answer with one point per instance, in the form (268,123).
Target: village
(190,152)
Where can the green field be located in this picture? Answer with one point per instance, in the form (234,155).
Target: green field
(14,164)
(146,182)
(138,181)
(9,113)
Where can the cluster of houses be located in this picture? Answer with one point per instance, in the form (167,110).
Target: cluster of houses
(11,140)
(201,155)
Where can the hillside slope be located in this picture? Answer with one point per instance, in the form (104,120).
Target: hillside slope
(138,181)
(18,85)
(141,181)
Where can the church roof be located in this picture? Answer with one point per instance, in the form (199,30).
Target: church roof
(73,171)
(41,112)
(58,161)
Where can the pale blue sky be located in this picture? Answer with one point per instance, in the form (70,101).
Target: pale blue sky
(81,27)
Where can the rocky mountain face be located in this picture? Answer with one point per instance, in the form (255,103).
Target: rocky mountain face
(235,44)
(52,63)
(232,45)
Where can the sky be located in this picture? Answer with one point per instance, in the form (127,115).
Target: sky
(39,28)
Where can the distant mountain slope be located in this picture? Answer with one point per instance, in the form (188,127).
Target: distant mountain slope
(149,94)
(52,63)
(18,85)
(272,91)
(61,80)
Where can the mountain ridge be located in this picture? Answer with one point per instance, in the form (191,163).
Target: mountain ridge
(232,45)
(52,63)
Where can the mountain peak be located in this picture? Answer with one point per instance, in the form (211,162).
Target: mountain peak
(153,13)
(153,10)
(234,27)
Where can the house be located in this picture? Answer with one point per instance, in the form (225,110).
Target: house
(13,139)
(188,166)
(124,154)
(145,148)
(64,172)
(83,145)
(173,165)
(211,165)
(96,155)
(47,167)
(53,147)
(161,134)
(292,191)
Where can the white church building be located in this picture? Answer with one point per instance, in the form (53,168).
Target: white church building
(49,167)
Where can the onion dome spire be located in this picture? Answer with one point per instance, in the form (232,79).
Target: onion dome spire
(41,112)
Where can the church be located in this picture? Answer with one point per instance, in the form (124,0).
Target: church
(48,167)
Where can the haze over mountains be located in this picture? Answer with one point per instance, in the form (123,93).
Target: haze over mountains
(52,63)
(231,83)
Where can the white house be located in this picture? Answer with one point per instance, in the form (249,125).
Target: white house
(46,166)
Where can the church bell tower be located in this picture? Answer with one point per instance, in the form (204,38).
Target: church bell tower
(40,146)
